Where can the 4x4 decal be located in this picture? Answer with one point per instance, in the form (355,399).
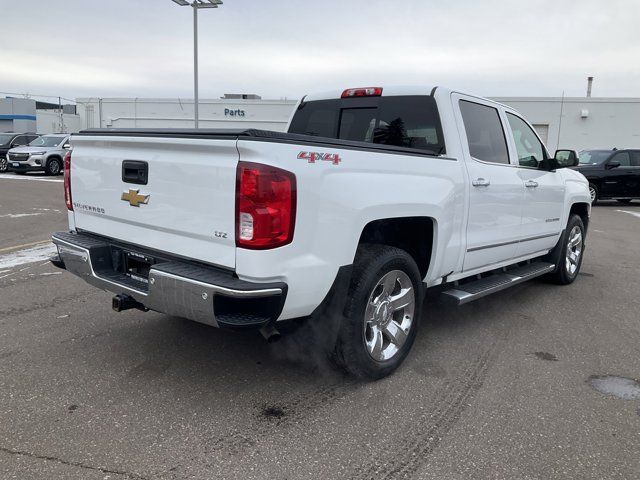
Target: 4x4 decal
(312,157)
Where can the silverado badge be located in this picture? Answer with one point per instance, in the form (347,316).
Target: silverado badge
(134,198)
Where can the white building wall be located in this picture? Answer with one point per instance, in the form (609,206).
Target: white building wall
(178,113)
(48,121)
(585,122)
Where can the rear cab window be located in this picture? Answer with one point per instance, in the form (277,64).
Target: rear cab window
(409,121)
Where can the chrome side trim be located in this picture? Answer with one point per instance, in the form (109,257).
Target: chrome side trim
(502,244)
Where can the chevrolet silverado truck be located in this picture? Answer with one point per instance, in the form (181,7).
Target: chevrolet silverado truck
(373,196)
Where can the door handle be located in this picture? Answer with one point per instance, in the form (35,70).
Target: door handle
(531,184)
(481,182)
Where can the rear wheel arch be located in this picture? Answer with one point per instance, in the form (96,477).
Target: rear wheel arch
(414,235)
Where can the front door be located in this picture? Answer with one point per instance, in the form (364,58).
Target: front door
(544,191)
(496,192)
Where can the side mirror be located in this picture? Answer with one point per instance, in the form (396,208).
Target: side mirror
(566,158)
(613,164)
(66,146)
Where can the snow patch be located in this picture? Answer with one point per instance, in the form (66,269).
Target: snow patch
(28,255)
(19,215)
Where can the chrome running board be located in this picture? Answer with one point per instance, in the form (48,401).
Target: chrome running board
(471,291)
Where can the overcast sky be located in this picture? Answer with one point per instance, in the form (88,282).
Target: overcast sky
(286,48)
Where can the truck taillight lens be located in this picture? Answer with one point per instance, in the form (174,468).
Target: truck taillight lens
(67,181)
(265,206)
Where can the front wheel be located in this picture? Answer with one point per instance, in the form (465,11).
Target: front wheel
(382,312)
(53,167)
(572,250)
(4,165)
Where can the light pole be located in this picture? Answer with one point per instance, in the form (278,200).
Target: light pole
(196,5)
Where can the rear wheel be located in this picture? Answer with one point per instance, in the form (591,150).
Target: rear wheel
(625,201)
(572,249)
(382,312)
(54,166)
(593,191)
(4,165)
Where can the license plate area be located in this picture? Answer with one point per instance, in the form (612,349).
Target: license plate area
(134,265)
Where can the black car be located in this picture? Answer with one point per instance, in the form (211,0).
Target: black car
(612,174)
(11,140)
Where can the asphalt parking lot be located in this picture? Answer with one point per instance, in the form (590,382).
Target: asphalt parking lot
(496,389)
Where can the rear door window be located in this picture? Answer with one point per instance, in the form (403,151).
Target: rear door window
(635,158)
(484,132)
(410,121)
(623,158)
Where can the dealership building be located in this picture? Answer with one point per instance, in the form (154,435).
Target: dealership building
(571,122)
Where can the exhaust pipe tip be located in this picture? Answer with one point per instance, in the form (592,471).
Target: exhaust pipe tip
(270,333)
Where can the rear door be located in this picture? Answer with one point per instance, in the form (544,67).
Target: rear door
(174,195)
(543,202)
(634,178)
(616,181)
(496,191)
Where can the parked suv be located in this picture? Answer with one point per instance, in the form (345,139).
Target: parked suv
(612,174)
(11,140)
(42,154)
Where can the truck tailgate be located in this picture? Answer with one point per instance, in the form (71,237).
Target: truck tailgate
(186,206)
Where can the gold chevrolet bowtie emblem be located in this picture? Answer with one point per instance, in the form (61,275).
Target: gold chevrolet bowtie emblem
(134,198)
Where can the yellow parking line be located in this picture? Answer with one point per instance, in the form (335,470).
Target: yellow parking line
(24,245)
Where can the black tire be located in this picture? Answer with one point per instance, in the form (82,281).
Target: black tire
(563,275)
(625,201)
(372,263)
(595,195)
(53,167)
(4,165)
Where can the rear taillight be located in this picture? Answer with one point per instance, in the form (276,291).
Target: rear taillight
(362,92)
(265,206)
(67,181)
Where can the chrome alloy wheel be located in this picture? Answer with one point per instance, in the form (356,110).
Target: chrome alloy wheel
(3,165)
(574,250)
(389,315)
(592,192)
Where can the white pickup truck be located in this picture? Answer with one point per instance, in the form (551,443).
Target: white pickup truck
(372,196)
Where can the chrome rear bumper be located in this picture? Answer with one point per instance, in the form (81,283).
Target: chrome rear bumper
(176,287)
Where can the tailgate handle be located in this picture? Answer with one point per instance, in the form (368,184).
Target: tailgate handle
(135,171)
